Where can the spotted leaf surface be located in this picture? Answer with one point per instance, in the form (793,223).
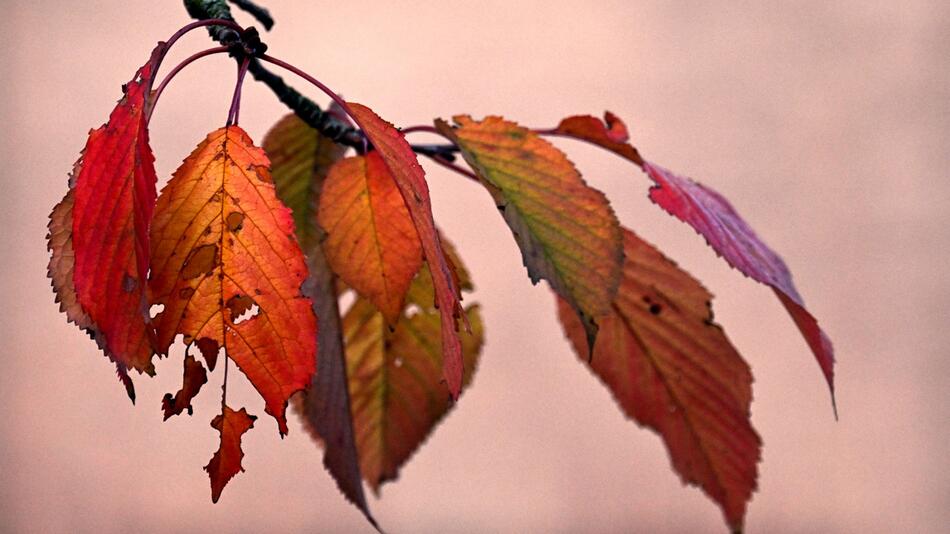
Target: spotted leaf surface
(228,271)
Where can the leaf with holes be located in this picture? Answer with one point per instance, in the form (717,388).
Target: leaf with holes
(99,232)
(673,370)
(713,217)
(300,160)
(227,268)
(395,381)
(371,242)
(226,462)
(567,232)
(410,178)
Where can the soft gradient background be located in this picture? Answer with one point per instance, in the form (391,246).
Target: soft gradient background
(826,123)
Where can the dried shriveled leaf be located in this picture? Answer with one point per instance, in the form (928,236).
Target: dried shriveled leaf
(228,270)
(112,201)
(395,380)
(193,378)
(567,232)
(300,159)
(672,369)
(611,134)
(371,241)
(226,462)
(713,217)
(410,178)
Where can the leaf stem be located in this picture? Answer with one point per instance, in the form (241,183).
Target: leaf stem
(171,74)
(235,110)
(452,166)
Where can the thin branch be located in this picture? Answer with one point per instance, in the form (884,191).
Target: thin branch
(259,13)
(306,109)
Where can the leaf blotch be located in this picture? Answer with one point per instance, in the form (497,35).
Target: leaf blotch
(201,261)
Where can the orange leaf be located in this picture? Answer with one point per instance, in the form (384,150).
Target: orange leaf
(300,159)
(611,134)
(226,462)
(567,232)
(410,178)
(194,377)
(672,369)
(228,270)
(397,392)
(110,203)
(371,241)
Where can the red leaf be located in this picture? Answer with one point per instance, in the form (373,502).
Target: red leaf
(728,234)
(194,377)
(673,370)
(611,134)
(410,178)
(114,197)
(226,462)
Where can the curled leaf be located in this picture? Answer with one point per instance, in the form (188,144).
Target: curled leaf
(610,134)
(99,232)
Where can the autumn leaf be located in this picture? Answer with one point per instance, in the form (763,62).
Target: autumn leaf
(567,232)
(410,178)
(396,387)
(193,378)
(226,462)
(301,159)
(713,217)
(611,134)
(672,369)
(227,268)
(99,232)
(371,241)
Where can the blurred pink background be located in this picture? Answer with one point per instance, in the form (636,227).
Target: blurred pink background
(826,124)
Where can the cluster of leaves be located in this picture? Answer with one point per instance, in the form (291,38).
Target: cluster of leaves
(246,251)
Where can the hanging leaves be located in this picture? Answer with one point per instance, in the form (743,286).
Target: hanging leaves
(228,270)
(410,178)
(371,241)
(99,232)
(672,369)
(300,160)
(567,232)
(226,462)
(713,217)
